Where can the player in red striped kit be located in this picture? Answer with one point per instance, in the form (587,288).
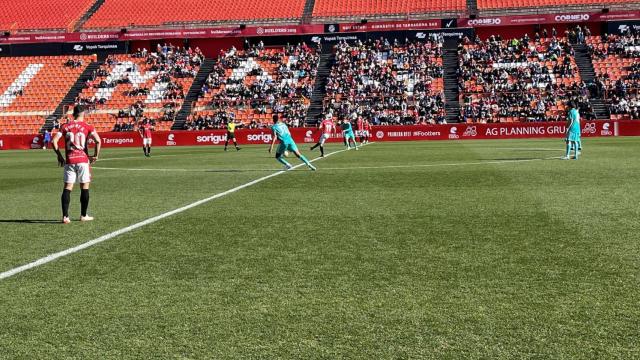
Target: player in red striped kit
(145,130)
(76,161)
(360,131)
(366,131)
(326,127)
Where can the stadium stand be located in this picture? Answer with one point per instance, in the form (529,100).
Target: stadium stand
(150,13)
(520,80)
(385,8)
(502,5)
(33,88)
(389,83)
(249,86)
(146,84)
(35,15)
(616,60)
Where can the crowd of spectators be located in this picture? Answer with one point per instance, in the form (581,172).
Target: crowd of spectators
(259,80)
(620,55)
(520,79)
(168,62)
(73,63)
(388,82)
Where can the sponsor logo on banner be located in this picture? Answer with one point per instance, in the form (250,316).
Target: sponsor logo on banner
(589,128)
(453,133)
(470,131)
(265,138)
(1,143)
(171,140)
(35,143)
(606,129)
(421,35)
(449,23)
(78,47)
(426,134)
(308,136)
(485,21)
(213,138)
(572,17)
(118,141)
(380,134)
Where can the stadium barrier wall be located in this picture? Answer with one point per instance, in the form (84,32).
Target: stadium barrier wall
(319,29)
(379,133)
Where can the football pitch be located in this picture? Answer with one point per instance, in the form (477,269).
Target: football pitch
(455,250)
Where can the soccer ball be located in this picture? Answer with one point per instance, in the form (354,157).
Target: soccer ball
(286,153)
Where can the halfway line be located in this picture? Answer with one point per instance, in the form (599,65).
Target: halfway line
(75,249)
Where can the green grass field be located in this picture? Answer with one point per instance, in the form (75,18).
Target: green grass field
(454,250)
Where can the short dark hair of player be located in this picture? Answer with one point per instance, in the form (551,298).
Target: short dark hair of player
(77,111)
(275,118)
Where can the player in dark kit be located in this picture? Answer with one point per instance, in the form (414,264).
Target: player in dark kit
(145,130)
(76,161)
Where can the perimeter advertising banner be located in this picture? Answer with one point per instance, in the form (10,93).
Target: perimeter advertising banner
(379,133)
(575,17)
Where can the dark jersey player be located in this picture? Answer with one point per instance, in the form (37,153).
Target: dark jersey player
(76,161)
(145,130)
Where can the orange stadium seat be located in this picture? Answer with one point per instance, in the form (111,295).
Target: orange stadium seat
(329,8)
(32,87)
(104,115)
(41,14)
(510,4)
(118,13)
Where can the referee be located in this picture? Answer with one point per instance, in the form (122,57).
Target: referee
(231,135)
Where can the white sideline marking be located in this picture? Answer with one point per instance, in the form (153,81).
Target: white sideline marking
(449,164)
(345,168)
(88,244)
(135,157)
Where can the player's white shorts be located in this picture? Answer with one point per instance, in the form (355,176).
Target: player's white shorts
(146,141)
(365,133)
(323,138)
(80,173)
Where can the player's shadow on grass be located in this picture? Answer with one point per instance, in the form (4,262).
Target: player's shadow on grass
(29,221)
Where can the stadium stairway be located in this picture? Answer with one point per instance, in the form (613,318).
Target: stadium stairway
(472,7)
(587,73)
(317,99)
(92,10)
(192,95)
(451,90)
(70,98)
(307,13)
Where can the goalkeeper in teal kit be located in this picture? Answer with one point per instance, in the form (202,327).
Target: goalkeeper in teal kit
(281,132)
(347,133)
(573,135)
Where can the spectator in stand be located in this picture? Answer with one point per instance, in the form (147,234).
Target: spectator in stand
(285,90)
(389,82)
(501,80)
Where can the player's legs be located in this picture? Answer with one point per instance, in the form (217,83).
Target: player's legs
(294,149)
(235,143)
(84,177)
(567,150)
(575,148)
(355,144)
(280,156)
(84,202)
(69,178)
(65,200)
(320,143)
(226,142)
